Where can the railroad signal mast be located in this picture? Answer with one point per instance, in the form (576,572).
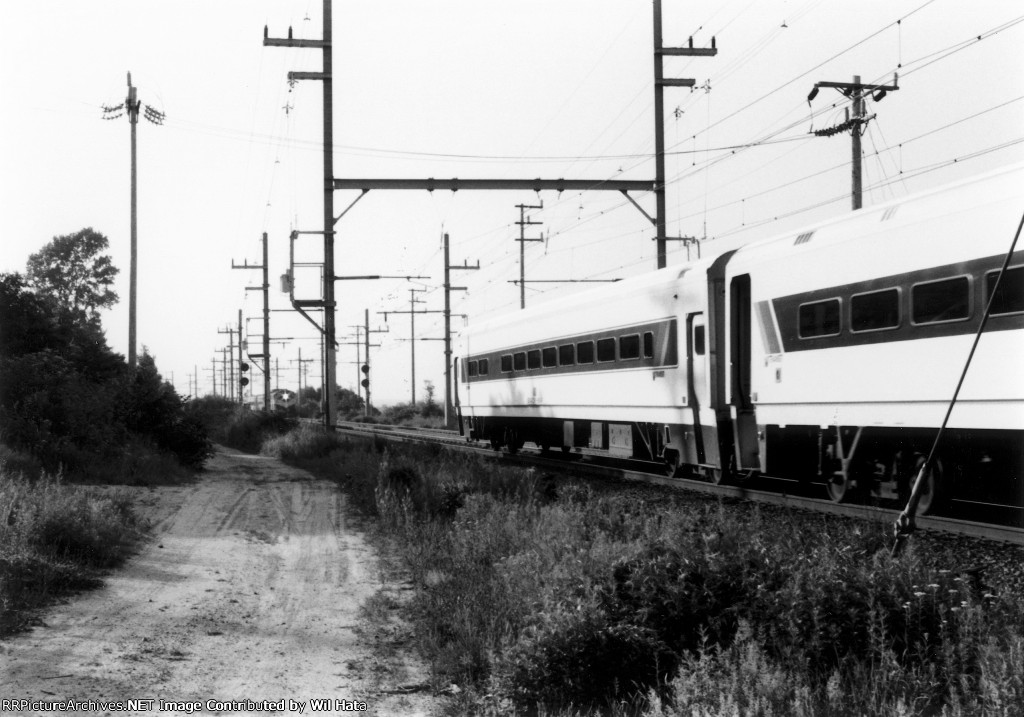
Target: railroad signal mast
(327,302)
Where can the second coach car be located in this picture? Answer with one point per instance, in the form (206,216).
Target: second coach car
(827,355)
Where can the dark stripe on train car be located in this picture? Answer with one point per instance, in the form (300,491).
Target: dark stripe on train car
(664,345)
(978,275)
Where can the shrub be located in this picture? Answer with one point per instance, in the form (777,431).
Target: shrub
(248,430)
(582,659)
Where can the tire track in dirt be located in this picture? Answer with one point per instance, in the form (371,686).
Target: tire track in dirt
(250,589)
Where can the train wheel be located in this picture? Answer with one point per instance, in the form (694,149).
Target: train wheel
(672,462)
(841,487)
(931,492)
(512,442)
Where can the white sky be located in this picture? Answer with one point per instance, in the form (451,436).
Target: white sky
(468,89)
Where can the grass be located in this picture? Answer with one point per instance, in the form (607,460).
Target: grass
(537,596)
(56,538)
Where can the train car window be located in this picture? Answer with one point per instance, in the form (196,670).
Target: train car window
(483,366)
(944,300)
(648,344)
(819,318)
(506,363)
(629,347)
(585,352)
(471,368)
(566,355)
(549,357)
(606,349)
(698,340)
(875,311)
(533,359)
(1009,299)
(519,361)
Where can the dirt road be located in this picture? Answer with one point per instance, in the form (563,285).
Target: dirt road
(250,590)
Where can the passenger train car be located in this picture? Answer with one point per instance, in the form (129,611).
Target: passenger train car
(827,355)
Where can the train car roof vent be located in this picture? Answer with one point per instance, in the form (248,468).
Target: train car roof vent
(803,238)
(889,213)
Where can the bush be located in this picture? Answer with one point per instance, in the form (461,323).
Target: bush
(584,660)
(248,430)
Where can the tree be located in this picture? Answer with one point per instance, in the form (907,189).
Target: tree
(73,271)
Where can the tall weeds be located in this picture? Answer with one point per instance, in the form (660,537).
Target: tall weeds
(539,596)
(56,538)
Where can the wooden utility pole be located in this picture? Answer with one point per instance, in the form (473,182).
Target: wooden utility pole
(230,364)
(523,222)
(855,91)
(265,288)
(412,329)
(449,413)
(412,326)
(132,105)
(329,402)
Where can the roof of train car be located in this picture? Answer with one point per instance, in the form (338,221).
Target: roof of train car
(994,184)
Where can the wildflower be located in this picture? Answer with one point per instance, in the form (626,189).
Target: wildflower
(918,594)
(934,586)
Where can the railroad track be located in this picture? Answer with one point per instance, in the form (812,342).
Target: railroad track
(629,470)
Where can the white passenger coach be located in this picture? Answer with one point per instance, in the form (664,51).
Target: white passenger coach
(827,355)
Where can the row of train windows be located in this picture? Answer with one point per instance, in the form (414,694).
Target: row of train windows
(623,348)
(931,302)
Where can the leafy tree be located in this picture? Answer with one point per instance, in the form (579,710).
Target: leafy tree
(349,402)
(430,407)
(73,271)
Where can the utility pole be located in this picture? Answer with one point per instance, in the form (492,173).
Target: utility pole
(855,91)
(659,121)
(132,105)
(523,222)
(225,364)
(242,365)
(302,370)
(412,323)
(330,357)
(230,364)
(366,370)
(449,413)
(265,356)
(213,373)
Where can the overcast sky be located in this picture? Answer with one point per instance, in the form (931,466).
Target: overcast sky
(467,89)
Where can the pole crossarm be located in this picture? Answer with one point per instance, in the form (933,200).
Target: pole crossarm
(677,82)
(537,185)
(378,276)
(281,42)
(303,75)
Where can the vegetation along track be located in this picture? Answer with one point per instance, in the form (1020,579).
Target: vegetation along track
(585,464)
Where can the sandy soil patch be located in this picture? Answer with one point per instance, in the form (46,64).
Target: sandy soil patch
(250,589)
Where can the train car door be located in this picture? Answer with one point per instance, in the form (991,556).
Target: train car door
(697,373)
(742,407)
